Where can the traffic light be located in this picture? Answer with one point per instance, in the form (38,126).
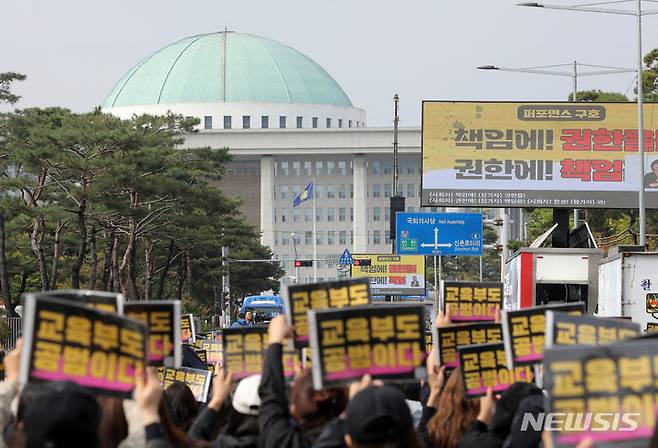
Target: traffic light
(303,263)
(363,262)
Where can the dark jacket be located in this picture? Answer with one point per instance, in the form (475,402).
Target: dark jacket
(207,425)
(428,413)
(332,436)
(277,427)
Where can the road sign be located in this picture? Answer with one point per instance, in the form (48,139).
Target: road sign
(439,234)
(346,258)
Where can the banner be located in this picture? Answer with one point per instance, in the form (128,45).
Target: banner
(212,348)
(567,329)
(197,380)
(652,327)
(162,319)
(551,155)
(188,329)
(615,384)
(392,275)
(385,341)
(449,339)
(471,301)
(524,331)
(484,365)
(298,299)
(63,341)
(244,349)
(104,301)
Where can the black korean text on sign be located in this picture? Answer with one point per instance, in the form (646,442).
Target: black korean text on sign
(110,302)
(213,349)
(301,298)
(524,332)
(163,321)
(566,329)
(385,341)
(604,380)
(449,339)
(188,329)
(244,350)
(485,366)
(472,301)
(64,341)
(197,380)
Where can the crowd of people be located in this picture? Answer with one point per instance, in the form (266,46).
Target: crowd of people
(264,411)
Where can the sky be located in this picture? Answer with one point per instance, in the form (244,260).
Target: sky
(74,51)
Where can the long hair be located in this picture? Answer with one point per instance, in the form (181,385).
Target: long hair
(181,405)
(176,436)
(113,428)
(312,411)
(454,415)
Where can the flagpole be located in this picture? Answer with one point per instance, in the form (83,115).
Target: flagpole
(315,239)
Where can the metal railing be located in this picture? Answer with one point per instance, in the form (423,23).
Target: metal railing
(15,325)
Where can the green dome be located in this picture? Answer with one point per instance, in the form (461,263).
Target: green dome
(226,67)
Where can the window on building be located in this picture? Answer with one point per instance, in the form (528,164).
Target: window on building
(331,216)
(331,237)
(207,122)
(315,122)
(388,167)
(351,191)
(342,168)
(275,215)
(349,123)
(275,191)
(387,213)
(342,191)
(227,122)
(319,238)
(411,209)
(376,190)
(283,191)
(285,239)
(318,214)
(296,189)
(319,168)
(300,122)
(351,236)
(340,122)
(377,237)
(387,190)
(308,214)
(342,214)
(284,169)
(376,167)
(342,237)
(296,168)
(282,122)
(308,168)
(318,191)
(351,213)
(296,215)
(411,166)
(387,236)
(376,214)
(246,121)
(308,238)
(328,122)
(331,191)
(264,122)
(284,214)
(330,168)
(411,190)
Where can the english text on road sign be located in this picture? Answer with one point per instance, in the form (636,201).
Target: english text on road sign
(439,234)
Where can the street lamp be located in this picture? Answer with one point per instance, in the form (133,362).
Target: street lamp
(554,70)
(638,13)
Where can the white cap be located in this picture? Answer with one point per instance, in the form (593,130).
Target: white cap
(245,398)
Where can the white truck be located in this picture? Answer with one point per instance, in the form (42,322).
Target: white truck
(628,286)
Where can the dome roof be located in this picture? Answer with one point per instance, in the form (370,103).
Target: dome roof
(226,67)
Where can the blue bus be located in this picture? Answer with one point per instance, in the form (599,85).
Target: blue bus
(264,308)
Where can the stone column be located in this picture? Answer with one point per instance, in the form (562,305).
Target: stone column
(267,201)
(360,224)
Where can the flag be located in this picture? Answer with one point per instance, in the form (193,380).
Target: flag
(307,193)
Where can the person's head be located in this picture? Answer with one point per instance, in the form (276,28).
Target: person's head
(379,417)
(454,414)
(113,428)
(176,436)
(245,405)
(181,405)
(64,415)
(311,407)
(248,316)
(508,404)
(654,167)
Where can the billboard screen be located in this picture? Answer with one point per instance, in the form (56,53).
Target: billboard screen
(393,275)
(550,155)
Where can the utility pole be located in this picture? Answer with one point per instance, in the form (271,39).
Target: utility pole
(226,288)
